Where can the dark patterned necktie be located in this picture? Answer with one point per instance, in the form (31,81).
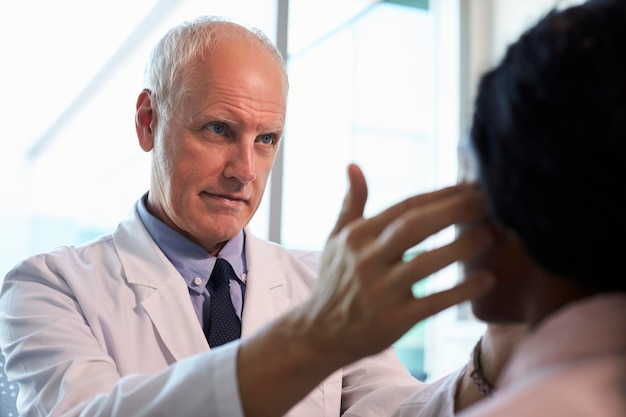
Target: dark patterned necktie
(221,323)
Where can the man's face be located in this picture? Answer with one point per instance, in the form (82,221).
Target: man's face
(212,160)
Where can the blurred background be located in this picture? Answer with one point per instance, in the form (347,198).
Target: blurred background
(387,84)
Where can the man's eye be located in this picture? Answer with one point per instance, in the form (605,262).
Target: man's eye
(217,128)
(267,139)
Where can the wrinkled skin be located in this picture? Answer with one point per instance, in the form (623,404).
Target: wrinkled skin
(211,162)
(363,301)
(365,281)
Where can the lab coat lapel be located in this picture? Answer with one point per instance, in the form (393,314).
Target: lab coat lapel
(266,292)
(160,290)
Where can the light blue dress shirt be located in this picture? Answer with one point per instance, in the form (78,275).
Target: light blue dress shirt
(194,263)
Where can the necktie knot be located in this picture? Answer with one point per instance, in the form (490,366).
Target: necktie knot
(222,273)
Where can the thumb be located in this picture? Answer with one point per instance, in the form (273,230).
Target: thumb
(354,200)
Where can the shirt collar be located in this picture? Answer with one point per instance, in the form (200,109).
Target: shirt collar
(190,259)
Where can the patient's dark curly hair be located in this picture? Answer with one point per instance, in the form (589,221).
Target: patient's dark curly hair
(549,135)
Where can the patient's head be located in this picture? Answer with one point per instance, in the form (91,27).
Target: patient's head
(549,140)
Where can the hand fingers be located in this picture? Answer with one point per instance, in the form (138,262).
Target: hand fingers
(424,307)
(412,227)
(471,243)
(422,200)
(418,217)
(354,201)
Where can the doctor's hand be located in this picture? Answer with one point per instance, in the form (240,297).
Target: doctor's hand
(364,300)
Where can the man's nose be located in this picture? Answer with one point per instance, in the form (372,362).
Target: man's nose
(241,164)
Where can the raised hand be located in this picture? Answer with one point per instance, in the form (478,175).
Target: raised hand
(364,300)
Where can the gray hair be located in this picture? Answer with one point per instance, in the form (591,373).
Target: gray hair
(164,73)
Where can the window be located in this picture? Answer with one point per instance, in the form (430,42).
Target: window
(378,85)
(361,91)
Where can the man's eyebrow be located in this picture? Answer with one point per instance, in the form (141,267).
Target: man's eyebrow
(204,117)
(207,116)
(276,130)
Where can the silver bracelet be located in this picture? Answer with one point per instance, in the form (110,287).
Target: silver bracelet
(477,376)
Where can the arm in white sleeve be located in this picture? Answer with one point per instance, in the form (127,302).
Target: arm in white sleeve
(434,400)
(68,359)
(377,385)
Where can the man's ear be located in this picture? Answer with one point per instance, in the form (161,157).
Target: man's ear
(145,120)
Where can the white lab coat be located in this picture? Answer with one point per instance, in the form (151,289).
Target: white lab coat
(92,331)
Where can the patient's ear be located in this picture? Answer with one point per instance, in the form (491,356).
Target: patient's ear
(145,120)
